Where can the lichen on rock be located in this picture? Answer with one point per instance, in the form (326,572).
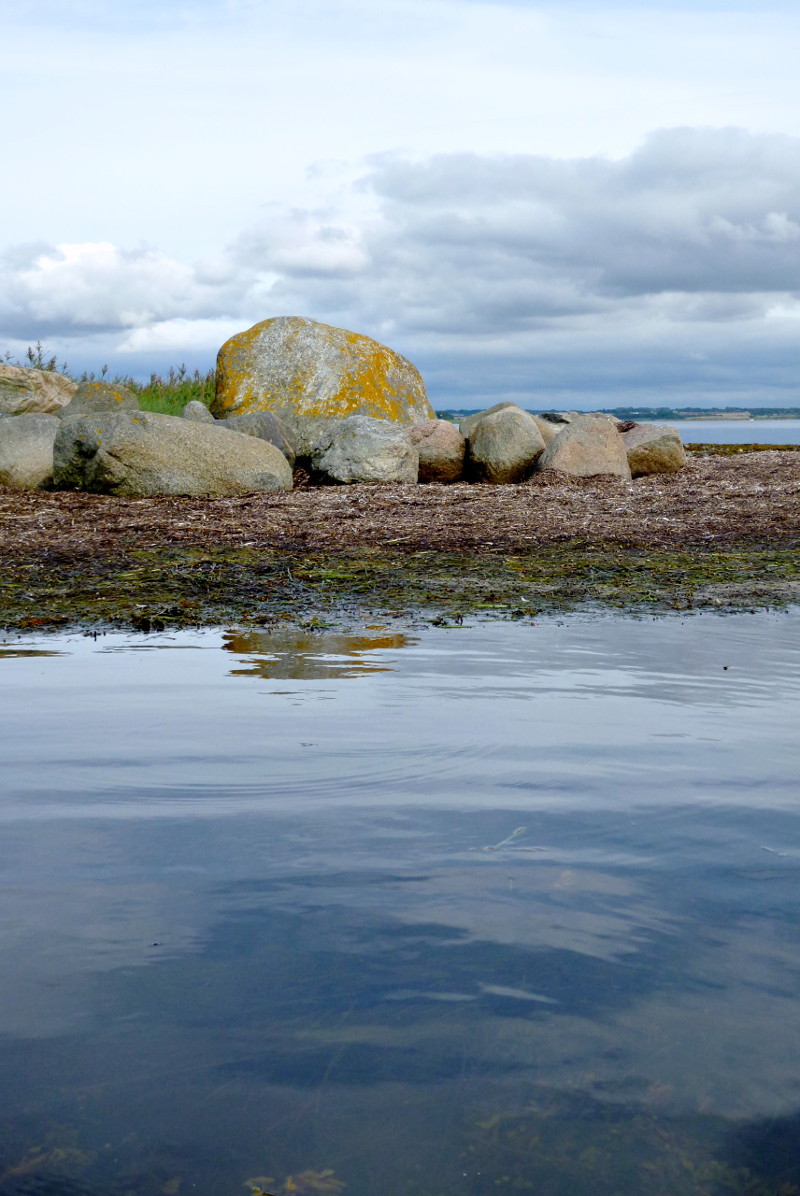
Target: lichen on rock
(299,369)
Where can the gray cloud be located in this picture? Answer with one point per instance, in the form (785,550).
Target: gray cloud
(675,269)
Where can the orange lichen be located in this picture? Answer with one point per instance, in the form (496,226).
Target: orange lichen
(304,368)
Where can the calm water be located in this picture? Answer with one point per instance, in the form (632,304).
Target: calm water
(251,924)
(737,431)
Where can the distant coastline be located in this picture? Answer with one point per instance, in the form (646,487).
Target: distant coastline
(659,413)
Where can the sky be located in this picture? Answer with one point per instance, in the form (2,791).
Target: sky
(567,205)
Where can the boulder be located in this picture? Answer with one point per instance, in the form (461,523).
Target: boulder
(362,449)
(266,425)
(303,370)
(28,391)
(548,428)
(26,451)
(466,425)
(504,446)
(653,448)
(586,446)
(441,449)
(91,397)
(198,411)
(136,454)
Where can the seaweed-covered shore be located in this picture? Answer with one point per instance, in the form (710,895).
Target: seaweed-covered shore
(723,532)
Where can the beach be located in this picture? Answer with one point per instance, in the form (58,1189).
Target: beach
(723,531)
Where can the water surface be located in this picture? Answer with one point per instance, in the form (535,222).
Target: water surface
(735,431)
(502,908)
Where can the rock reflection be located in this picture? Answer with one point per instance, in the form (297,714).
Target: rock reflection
(8,652)
(294,655)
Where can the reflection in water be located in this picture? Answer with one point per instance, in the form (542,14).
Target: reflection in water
(11,652)
(245,939)
(298,656)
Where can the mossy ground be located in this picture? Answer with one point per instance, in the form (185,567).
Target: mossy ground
(734,450)
(185,586)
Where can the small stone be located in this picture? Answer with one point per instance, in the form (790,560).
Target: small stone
(198,411)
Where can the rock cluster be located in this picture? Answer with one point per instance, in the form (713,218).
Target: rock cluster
(294,392)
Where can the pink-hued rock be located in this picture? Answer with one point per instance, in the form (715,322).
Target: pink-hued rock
(25,391)
(654,448)
(441,450)
(587,446)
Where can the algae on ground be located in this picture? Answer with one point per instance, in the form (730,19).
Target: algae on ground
(155,588)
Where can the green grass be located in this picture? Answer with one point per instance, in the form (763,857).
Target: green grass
(165,394)
(169,395)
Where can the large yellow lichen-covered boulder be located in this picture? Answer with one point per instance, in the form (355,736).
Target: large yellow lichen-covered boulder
(303,370)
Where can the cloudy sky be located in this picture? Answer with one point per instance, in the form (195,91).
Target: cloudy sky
(577,204)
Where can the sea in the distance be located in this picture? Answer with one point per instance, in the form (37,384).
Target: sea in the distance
(735,431)
(505,908)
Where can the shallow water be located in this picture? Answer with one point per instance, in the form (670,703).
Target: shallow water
(264,910)
(736,431)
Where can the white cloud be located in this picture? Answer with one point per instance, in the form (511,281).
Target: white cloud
(177,122)
(674,268)
(179,338)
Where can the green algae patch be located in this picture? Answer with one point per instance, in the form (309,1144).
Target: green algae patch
(157,588)
(735,450)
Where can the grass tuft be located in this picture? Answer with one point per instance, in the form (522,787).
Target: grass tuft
(165,394)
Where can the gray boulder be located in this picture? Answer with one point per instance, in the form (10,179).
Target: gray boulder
(311,435)
(265,425)
(198,412)
(587,446)
(441,449)
(91,397)
(653,448)
(504,446)
(361,449)
(136,454)
(26,451)
(548,428)
(26,391)
(469,421)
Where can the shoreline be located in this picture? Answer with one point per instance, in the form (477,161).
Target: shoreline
(722,534)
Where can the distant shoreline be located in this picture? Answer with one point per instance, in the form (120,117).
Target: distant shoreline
(717,415)
(656,414)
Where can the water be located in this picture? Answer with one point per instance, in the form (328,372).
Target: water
(251,924)
(736,431)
